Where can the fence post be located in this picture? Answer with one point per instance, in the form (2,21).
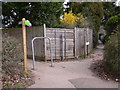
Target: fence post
(75,42)
(63,46)
(45,42)
(87,39)
(55,43)
(84,43)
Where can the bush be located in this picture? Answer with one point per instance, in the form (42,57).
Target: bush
(111,56)
(112,23)
(12,60)
(71,20)
(12,50)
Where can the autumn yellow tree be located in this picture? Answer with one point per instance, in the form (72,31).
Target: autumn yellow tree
(70,20)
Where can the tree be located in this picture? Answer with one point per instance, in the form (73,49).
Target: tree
(112,23)
(92,10)
(70,20)
(109,10)
(94,13)
(37,12)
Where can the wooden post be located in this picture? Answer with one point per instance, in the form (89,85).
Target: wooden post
(45,43)
(84,43)
(75,42)
(55,43)
(87,40)
(24,44)
(65,43)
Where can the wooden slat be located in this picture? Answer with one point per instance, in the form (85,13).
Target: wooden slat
(73,41)
(69,56)
(65,43)
(55,44)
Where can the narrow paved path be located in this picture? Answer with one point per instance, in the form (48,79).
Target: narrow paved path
(71,74)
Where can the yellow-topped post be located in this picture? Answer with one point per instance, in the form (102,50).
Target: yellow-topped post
(24,44)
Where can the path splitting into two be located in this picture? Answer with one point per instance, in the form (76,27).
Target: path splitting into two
(70,74)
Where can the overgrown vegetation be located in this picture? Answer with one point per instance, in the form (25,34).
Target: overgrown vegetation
(112,39)
(111,57)
(111,24)
(12,65)
(94,13)
(112,46)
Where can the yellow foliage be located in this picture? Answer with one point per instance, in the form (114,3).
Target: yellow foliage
(70,20)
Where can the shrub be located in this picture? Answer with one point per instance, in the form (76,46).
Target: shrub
(112,23)
(11,60)
(12,50)
(111,56)
(70,20)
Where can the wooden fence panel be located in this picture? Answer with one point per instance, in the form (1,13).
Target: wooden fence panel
(82,36)
(31,32)
(74,41)
(56,36)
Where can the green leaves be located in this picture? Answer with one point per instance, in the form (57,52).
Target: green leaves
(113,20)
(111,57)
(112,23)
(37,12)
(94,13)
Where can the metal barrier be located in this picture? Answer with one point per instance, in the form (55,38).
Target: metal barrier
(34,50)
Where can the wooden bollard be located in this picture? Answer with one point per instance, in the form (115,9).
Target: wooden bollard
(24,44)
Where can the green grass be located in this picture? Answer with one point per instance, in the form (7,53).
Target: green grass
(26,73)
(20,85)
(81,57)
(9,85)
